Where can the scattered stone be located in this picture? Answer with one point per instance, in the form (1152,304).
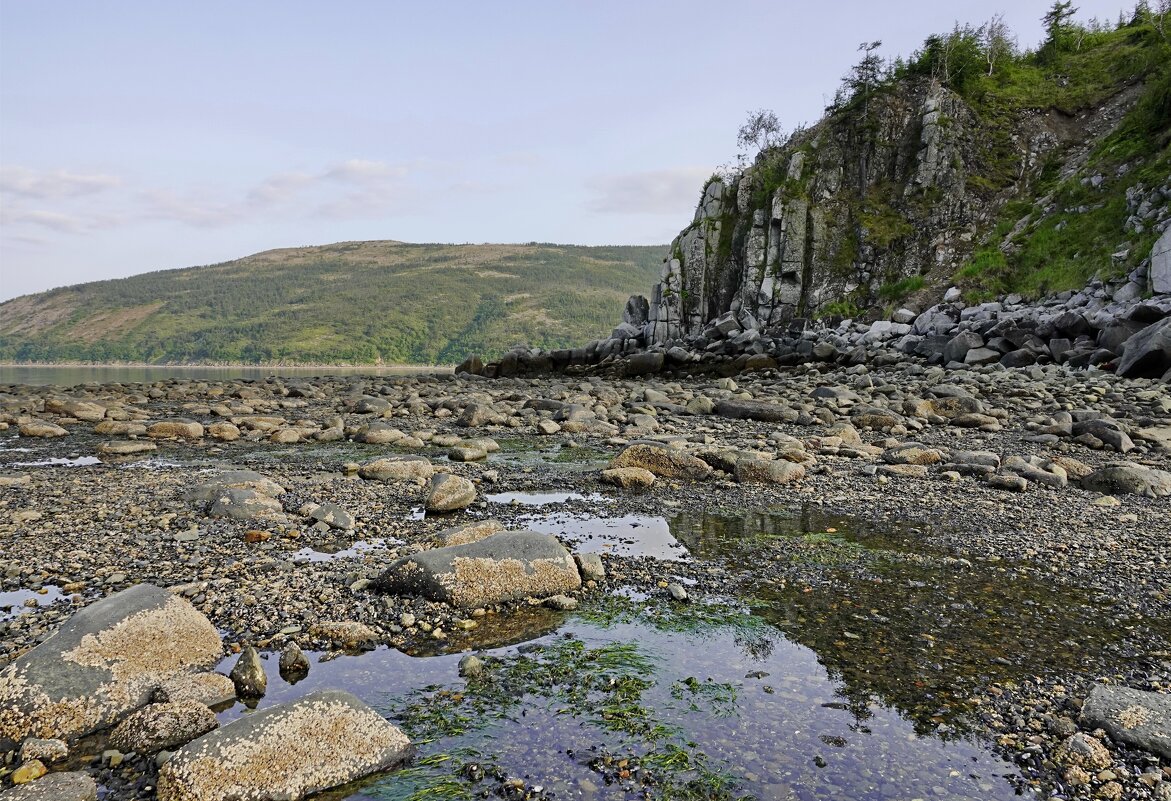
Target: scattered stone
(397,468)
(662,462)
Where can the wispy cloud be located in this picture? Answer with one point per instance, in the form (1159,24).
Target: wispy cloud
(55,184)
(61,201)
(669,191)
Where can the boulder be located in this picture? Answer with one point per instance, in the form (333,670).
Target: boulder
(397,468)
(213,487)
(502,567)
(209,689)
(104,661)
(1136,717)
(662,461)
(319,741)
(450,493)
(1129,479)
(1148,352)
(160,727)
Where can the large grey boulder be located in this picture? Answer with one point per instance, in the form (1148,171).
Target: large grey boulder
(286,752)
(503,567)
(246,504)
(1135,717)
(1160,272)
(1148,352)
(1129,479)
(663,462)
(103,662)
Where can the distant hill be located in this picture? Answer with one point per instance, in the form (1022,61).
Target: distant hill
(347,303)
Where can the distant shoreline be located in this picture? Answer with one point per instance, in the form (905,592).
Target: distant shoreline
(229,366)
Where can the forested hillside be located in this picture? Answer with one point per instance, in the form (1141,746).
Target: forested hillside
(347,303)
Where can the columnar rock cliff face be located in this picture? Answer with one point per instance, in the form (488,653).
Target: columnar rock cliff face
(903,185)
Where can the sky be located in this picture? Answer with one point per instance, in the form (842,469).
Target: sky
(139,136)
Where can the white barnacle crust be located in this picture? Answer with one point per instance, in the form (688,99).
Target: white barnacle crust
(320,741)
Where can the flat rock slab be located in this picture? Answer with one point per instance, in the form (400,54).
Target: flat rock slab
(502,567)
(756,410)
(73,786)
(286,752)
(103,662)
(1135,717)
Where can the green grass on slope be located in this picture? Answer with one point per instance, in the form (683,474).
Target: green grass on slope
(356,302)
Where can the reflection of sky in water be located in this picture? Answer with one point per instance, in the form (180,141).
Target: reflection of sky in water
(540,498)
(354,551)
(783,726)
(79,461)
(631,535)
(12,602)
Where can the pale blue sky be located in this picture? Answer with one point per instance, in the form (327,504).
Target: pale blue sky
(139,136)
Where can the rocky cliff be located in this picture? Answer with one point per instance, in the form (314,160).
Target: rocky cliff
(864,209)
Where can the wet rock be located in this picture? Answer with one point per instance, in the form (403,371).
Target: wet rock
(1136,717)
(468,532)
(159,727)
(322,740)
(72,786)
(30,771)
(562,603)
(293,662)
(450,493)
(503,567)
(103,662)
(628,477)
(248,674)
(471,666)
(1129,479)
(662,462)
(677,592)
(397,468)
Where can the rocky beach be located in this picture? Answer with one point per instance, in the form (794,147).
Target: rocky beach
(982,550)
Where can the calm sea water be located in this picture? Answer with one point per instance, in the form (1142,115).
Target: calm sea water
(72,376)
